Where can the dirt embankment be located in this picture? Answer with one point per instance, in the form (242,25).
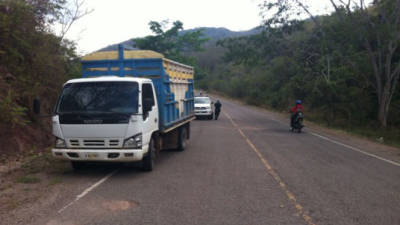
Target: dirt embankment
(17,143)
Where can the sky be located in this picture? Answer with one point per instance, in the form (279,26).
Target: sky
(114,21)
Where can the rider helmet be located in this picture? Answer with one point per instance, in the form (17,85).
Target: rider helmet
(298,102)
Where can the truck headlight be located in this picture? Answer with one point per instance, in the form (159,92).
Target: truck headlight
(60,143)
(134,141)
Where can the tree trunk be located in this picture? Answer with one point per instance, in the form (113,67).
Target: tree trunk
(385,79)
(382,114)
(384,103)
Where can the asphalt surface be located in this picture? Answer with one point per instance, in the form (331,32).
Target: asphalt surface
(245,168)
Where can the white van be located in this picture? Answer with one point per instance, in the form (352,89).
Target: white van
(203,107)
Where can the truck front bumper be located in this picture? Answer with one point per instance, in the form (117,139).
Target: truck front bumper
(100,155)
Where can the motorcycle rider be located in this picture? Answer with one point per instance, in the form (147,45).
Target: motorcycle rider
(294,110)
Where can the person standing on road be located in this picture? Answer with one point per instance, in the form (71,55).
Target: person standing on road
(217,107)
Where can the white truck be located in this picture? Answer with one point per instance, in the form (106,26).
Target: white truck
(128,106)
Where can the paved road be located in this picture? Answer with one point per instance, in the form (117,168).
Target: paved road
(244,168)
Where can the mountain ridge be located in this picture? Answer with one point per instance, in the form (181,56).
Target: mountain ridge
(213,33)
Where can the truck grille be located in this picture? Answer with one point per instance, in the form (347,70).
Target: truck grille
(95,143)
(114,143)
(92,143)
(74,143)
(200,108)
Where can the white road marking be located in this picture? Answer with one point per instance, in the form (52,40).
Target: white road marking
(86,191)
(354,149)
(343,145)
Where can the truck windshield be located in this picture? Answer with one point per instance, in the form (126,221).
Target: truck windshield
(202,100)
(99,97)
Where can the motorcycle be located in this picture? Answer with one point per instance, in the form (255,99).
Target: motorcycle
(297,122)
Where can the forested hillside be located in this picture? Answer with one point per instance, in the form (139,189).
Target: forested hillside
(34,63)
(344,66)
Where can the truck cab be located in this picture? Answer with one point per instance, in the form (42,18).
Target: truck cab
(105,119)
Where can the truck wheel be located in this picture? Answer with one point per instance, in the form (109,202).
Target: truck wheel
(182,139)
(210,117)
(76,165)
(148,160)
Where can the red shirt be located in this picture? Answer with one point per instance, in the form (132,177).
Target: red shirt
(295,108)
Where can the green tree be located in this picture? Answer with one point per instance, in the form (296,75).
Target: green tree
(172,42)
(34,62)
(376,27)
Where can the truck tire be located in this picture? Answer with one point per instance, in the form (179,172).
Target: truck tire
(210,117)
(76,165)
(148,160)
(182,138)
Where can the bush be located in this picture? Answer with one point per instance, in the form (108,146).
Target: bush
(11,112)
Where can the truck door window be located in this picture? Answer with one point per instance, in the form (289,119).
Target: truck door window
(147,98)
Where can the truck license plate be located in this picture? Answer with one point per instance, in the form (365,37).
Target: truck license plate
(91,155)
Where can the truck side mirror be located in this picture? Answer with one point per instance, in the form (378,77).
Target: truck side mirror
(36,106)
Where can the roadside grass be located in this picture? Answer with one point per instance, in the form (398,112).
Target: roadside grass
(55,180)
(45,163)
(38,168)
(28,179)
(12,204)
(389,136)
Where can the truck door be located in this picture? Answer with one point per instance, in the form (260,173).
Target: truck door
(150,112)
